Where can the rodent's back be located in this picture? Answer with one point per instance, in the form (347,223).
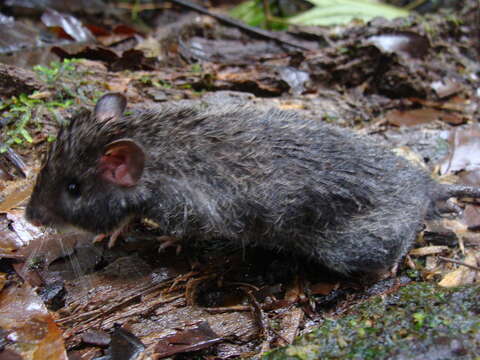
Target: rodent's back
(278,174)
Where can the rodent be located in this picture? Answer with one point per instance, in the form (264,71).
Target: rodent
(236,176)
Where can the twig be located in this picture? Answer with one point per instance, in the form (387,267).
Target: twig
(458,262)
(16,161)
(268,14)
(233,22)
(258,314)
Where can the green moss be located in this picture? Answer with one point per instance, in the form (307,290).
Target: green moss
(20,113)
(420,321)
(57,70)
(196,68)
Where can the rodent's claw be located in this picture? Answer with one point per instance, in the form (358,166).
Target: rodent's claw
(167,241)
(99,238)
(114,237)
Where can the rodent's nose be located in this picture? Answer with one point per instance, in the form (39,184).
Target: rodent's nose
(33,214)
(35,222)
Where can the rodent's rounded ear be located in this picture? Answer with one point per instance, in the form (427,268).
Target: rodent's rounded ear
(110,107)
(122,163)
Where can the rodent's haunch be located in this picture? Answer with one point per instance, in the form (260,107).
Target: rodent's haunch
(232,176)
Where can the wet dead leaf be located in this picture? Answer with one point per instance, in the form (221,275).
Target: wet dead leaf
(197,338)
(462,275)
(230,51)
(290,324)
(125,345)
(322,288)
(16,233)
(110,37)
(16,35)
(68,23)
(296,79)
(471,217)
(422,116)
(428,250)
(128,60)
(15,198)
(25,231)
(431,263)
(96,337)
(3,280)
(456,103)
(31,330)
(463,161)
(464,154)
(119,84)
(294,290)
(404,43)
(257,81)
(446,87)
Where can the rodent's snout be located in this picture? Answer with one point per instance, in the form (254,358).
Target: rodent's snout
(37,214)
(35,222)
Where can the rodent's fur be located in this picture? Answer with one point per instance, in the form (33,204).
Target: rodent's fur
(235,176)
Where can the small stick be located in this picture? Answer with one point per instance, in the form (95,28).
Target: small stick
(268,14)
(16,160)
(232,22)
(258,314)
(458,262)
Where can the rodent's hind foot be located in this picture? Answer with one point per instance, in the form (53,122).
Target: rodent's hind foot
(372,277)
(449,208)
(169,241)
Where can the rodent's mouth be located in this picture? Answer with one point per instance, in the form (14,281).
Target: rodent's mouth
(34,222)
(58,225)
(40,216)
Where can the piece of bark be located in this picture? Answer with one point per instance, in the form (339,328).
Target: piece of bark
(15,81)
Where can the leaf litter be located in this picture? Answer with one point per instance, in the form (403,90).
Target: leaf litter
(384,79)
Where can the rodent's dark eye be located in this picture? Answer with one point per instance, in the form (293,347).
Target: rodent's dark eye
(73,189)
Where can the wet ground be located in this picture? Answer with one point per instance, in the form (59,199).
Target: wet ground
(412,83)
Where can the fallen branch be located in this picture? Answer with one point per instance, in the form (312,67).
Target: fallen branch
(458,262)
(233,22)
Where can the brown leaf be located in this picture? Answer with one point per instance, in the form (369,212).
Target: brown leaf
(446,87)
(322,288)
(462,275)
(200,337)
(402,43)
(428,250)
(422,116)
(471,217)
(290,324)
(34,332)
(464,152)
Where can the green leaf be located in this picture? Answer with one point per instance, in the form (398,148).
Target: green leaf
(26,135)
(252,13)
(330,12)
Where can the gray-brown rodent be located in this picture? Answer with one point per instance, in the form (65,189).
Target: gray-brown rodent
(234,176)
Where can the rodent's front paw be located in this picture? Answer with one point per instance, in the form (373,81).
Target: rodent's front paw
(113,236)
(168,241)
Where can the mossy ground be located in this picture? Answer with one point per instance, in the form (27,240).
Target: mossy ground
(420,321)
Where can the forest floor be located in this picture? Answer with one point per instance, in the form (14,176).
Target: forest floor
(412,83)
